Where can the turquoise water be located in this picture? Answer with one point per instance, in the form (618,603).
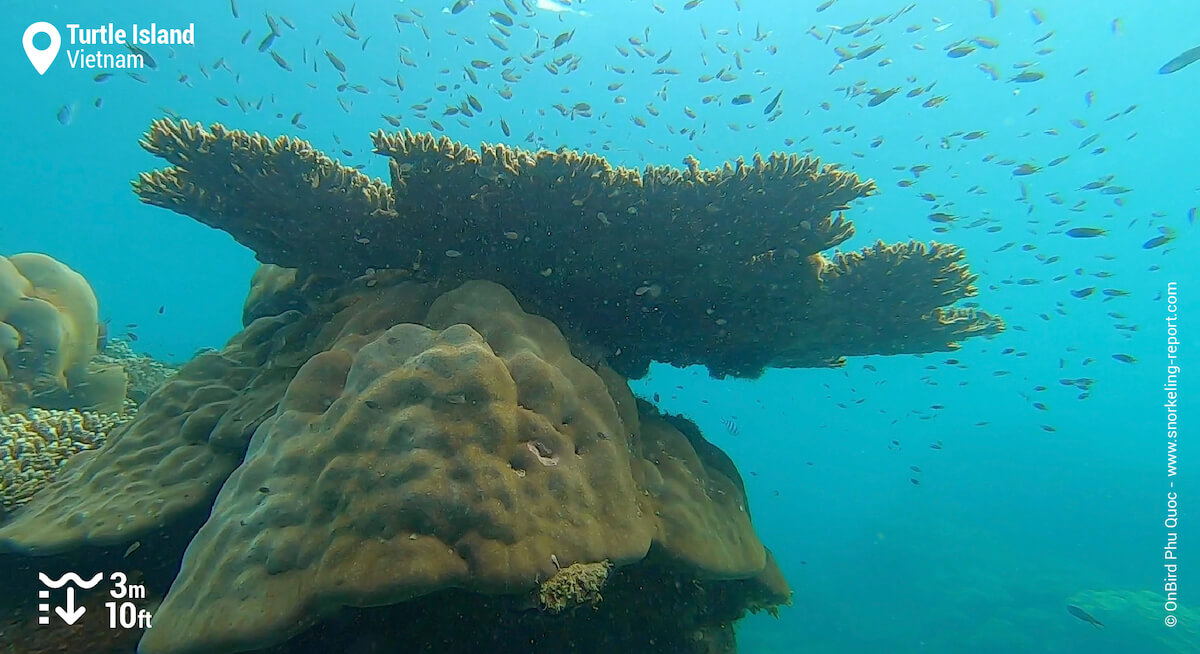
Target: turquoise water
(1021,510)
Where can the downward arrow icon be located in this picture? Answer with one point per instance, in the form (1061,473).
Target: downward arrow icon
(71,613)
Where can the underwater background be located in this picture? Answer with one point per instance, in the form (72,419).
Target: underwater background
(1046,485)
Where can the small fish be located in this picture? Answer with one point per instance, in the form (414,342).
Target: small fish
(1083,292)
(102,77)
(773,103)
(744,98)
(564,38)
(1181,61)
(460,6)
(868,51)
(1160,240)
(730,425)
(878,97)
(1027,76)
(1083,615)
(281,61)
(337,63)
(65,114)
(1086,232)
(146,58)
(1124,358)
(915,481)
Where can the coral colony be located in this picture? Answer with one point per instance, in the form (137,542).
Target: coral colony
(427,411)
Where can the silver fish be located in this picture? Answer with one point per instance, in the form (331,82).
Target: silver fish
(1181,61)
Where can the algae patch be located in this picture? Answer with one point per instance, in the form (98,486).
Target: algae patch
(576,584)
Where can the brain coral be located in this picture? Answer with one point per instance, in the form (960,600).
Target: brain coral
(48,335)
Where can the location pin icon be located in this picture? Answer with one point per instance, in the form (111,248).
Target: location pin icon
(41,59)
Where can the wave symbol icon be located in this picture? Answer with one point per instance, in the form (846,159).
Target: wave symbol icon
(70,577)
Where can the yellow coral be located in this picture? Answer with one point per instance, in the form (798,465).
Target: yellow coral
(48,331)
(35,444)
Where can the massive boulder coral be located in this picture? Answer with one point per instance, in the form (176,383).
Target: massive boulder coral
(392,441)
(720,267)
(49,330)
(193,431)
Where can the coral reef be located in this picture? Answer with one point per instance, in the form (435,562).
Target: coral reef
(48,338)
(36,443)
(426,421)
(718,267)
(393,441)
(145,373)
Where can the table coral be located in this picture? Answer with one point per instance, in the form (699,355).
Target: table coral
(721,267)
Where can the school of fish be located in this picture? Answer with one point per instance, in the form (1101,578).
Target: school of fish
(529,71)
